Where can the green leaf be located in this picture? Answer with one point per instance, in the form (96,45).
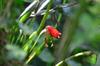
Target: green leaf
(98,61)
(46,56)
(95,9)
(92,59)
(14,52)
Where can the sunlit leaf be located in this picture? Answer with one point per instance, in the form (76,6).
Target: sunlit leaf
(92,59)
(98,61)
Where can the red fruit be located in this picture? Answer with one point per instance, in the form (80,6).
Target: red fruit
(53,31)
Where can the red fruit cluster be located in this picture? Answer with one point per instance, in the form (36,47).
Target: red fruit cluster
(53,31)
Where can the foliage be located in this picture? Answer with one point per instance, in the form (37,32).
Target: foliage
(72,38)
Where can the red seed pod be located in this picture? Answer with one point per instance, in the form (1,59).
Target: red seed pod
(53,31)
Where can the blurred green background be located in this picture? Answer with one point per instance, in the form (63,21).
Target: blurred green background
(22,42)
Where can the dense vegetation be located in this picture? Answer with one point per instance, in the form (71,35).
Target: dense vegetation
(49,32)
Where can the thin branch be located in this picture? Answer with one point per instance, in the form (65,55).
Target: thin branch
(74,56)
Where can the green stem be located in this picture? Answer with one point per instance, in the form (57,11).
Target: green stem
(35,43)
(60,15)
(29,41)
(44,18)
(34,53)
(74,56)
(70,28)
(19,36)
